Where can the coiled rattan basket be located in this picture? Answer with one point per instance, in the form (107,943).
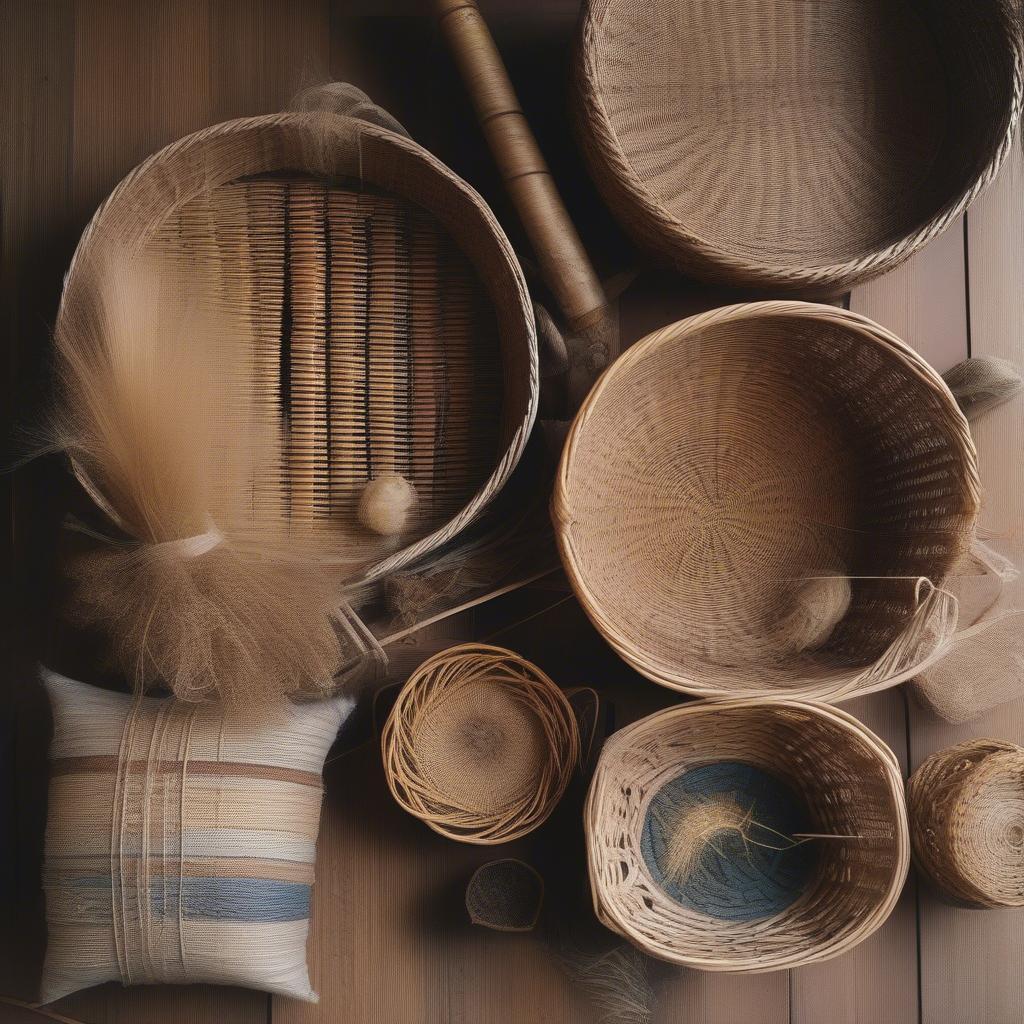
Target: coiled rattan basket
(728,469)
(966,808)
(849,789)
(391,327)
(804,146)
(480,744)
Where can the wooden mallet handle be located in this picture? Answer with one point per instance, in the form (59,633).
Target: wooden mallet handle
(563,260)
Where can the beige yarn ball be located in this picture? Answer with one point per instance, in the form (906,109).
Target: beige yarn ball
(818,607)
(385,504)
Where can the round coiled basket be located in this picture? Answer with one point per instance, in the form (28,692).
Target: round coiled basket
(480,745)
(805,147)
(764,500)
(389,326)
(675,874)
(966,808)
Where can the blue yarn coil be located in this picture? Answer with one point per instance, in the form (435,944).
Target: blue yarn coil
(734,873)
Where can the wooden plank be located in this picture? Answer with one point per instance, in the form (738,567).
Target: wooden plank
(970,960)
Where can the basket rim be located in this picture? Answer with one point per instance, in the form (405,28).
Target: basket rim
(248,131)
(731,265)
(854,730)
(561,508)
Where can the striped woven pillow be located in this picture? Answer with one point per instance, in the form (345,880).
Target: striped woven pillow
(180,844)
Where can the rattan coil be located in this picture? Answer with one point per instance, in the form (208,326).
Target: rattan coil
(807,146)
(726,463)
(966,808)
(480,744)
(392,329)
(846,776)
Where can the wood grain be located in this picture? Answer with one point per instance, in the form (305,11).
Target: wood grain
(970,962)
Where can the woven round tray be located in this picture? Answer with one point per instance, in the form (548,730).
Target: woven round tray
(391,329)
(480,745)
(841,779)
(966,808)
(750,466)
(804,146)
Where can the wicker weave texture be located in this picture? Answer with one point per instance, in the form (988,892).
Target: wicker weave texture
(729,462)
(825,756)
(795,145)
(967,822)
(480,745)
(390,324)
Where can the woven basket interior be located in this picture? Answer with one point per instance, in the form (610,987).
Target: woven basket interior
(374,345)
(820,762)
(795,135)
(732,462)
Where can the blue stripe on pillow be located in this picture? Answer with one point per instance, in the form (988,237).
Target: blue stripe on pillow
(220,899)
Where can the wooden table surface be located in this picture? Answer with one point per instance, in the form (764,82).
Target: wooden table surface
(88,90)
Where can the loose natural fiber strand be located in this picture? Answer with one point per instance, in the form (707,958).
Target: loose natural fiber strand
(616,983)
(985,666)
(967,822)
(982,383)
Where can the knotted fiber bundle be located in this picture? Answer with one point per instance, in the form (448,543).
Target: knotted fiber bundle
(799,146)
(766,500)
(358,314)
(480,745)
(966,808)
(746,835)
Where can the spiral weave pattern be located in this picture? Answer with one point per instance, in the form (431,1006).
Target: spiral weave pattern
(765,500)
(967,822)
(480,745)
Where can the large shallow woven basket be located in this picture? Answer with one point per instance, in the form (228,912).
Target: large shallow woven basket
(848,783)
(391,327)
(729,466)
(966,808)
(796,145)
(480,744)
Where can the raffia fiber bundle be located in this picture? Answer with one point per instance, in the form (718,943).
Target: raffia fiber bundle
(985,666)
(261,319)
(480,745)
(765,500)
(862,850)
(966,808)
(801,146)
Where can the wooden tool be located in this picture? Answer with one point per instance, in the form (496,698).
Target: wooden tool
(592,334)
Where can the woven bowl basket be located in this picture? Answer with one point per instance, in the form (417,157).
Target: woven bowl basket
(480,745)
(728,464)
(392,329)
(966,808)
(846,776)
(803,146)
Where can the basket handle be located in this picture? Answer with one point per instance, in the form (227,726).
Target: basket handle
(564,263)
